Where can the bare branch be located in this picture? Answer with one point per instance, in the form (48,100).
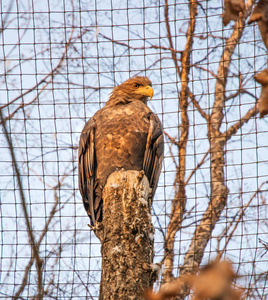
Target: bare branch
(44,232)
(51,74)
(241,214)
(10,116)
(205,69)
(196,104)
(4,20)
(139,48)
(197,167)
(219,191)
(179,201)
(173,51)
(173,140)
(38,260)
(233,129)
(223,69)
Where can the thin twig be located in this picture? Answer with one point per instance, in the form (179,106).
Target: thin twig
(197,167)
(139,48)
(233,129)
(173,140)
(38,260)
(242,212)
(51,74)
(196,104)
(44,232)
(172,49)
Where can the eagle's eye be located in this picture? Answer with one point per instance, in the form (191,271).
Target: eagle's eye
(136,85)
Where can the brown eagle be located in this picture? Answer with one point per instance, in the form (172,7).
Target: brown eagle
(125,133)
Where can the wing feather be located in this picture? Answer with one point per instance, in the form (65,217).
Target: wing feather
(86,168)
(154,152)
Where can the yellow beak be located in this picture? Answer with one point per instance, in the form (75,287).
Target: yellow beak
(146,91)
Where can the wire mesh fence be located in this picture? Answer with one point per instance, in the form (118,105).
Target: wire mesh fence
(59,62)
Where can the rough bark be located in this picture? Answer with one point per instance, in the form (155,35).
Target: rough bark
(127,237)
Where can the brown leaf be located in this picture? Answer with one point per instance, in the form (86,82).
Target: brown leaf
(260,15)
(263,102)
(262,78)
(232,8)
(167,290)
(215,282)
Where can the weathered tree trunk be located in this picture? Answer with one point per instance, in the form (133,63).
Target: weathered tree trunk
(126,235)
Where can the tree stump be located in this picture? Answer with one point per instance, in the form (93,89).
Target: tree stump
(127,237)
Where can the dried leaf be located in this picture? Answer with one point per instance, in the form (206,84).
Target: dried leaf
(263,102)
(232,8)
(167,290)
(262,78)
(215,282)
(260,15)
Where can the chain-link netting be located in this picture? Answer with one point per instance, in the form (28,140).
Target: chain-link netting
(59,62)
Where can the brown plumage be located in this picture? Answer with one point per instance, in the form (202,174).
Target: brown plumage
(262,78)
(260,15)
(125,133)
(232,8)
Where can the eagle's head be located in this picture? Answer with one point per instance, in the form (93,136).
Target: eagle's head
(136,88)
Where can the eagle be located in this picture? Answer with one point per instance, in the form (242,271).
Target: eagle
(124,134)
